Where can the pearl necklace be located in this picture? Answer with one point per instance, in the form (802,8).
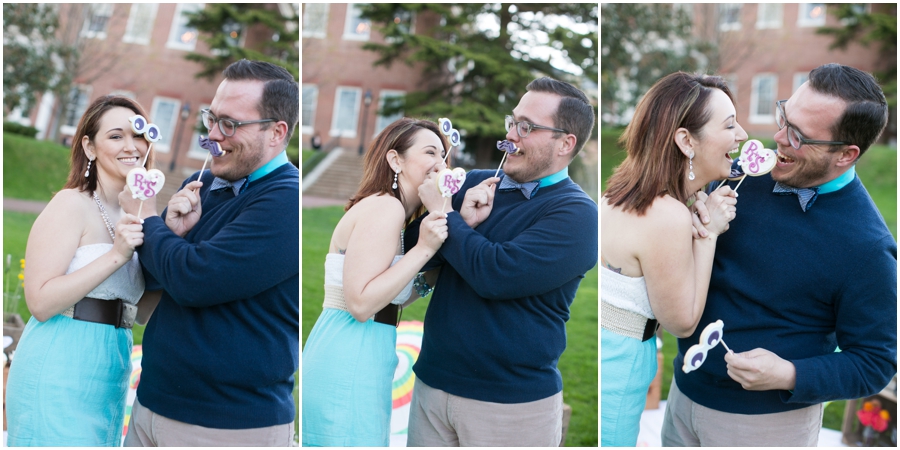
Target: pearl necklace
(109,226)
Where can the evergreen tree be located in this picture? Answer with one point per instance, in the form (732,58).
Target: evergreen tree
(476,76)
(225,25)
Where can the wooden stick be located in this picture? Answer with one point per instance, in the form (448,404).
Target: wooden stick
(501,163)
(203,167)
(739,183)
(721,183)
(144,164)
(139,210)
(726,347)
(444,205)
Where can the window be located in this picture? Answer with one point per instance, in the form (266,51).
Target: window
(386,97)
(811,15)
(181,36)
(140,23)
(78,99)
(195,151)
(346,112)
(768,15)
(762,98)
(799,79)
(315,20)
(308,114)
(355,27)
(165,115)
(96,19)
(729,16)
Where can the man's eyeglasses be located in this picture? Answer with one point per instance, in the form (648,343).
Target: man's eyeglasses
(523,128)
(794,136)
(226,126)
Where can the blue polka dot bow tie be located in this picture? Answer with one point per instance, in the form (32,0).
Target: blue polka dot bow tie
(236,186)
(807,196)
(529,188)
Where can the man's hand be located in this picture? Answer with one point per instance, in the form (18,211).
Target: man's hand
(479,202)
(184,209)
(131,205)
(761,370)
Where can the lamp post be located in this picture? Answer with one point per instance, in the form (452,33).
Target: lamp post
(185,112)
(367,100)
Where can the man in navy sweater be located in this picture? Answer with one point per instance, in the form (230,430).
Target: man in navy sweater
(221,348)
(496,324)
(807,266)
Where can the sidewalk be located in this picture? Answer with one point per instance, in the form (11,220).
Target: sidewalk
(25,206)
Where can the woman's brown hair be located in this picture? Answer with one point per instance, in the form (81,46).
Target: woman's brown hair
(89,126)
(377,173)
(654,165)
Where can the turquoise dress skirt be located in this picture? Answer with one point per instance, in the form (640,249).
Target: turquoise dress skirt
(348,371)
(627,368)
(67,384)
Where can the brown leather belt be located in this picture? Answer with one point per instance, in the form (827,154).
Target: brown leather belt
(389,315)
(117,313)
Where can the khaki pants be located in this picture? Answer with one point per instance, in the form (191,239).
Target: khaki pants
(688,424)
(439,419)
(148,429)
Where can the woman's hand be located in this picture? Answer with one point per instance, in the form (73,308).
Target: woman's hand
(433,231)
(129,235)
(721,205)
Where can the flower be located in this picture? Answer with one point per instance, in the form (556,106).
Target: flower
(11,296)
(871,415)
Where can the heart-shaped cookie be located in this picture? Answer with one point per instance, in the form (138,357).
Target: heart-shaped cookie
(755,160)
(145,183)
(449,181)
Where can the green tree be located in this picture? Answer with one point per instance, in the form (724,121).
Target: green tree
(641,43)
(875,27)
(273,29)
(32,54)
(475,76)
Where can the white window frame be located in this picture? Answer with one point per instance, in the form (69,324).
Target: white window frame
(309,129)
(381,122)
(87,90)
(195,151)
(92,10)
(349,35)
(334,117)
(803,10)
(799,79)
(134,17)
(765,21)
(730,26)
(166,130)
(315,25)
(755,117)
(177,20)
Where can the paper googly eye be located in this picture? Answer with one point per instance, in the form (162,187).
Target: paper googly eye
(694,358)
(712,334)
(445,125)
(138,124)
(152,133)
(454,137)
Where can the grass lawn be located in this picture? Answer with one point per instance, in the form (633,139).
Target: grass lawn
(578,364)
(878,171)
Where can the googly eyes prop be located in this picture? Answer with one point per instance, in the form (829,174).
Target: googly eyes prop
(711,336)
(448,130)
(140,126)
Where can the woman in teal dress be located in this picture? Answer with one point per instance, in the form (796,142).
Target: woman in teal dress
(654,269)
(350,356)
(68,379)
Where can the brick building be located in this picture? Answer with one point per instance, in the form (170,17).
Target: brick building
(342,90)
(767,50)
(138,50)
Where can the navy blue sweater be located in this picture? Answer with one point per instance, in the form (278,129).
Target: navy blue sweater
(801,284)
(221,349)
(496,324)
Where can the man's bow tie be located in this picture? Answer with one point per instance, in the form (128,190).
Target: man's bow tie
(528,188)
(807,196)
(236,186)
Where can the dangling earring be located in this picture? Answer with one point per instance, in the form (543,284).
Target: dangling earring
(394,186)
(87,173)
(691,162)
